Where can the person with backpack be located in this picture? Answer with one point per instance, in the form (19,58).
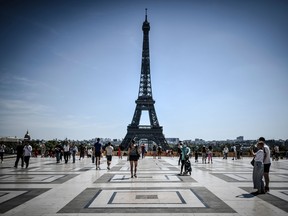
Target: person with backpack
(134,155)
(98,152)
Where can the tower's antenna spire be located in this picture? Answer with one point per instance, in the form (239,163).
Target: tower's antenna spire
(145,14)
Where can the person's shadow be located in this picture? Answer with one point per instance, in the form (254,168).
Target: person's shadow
(248,195)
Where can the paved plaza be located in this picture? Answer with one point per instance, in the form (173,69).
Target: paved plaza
(221,188)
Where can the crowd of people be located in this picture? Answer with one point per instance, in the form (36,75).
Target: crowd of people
(262,157)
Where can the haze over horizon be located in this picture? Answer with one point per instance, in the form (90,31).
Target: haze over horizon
(71,69)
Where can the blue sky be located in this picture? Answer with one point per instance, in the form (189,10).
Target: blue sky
(71,69)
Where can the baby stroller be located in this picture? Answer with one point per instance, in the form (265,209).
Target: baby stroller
(187,166)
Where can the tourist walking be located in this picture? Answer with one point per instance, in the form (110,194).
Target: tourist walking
(258,169)
(98,152)
(82,151)
(143,150)
(276,153)
(225,152)
(19,155)
(43,150)
(133,154)
(66,149)
(154,149)
(2,150)
(185,151)
(109,153)
(267,163)
(27,153)
(159,152)
(196,155)
(58,151)
(210,154)
(234,152)
(119,152)
(74,150)
(204,155)
(179,151)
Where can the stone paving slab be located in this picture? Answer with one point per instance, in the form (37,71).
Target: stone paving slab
(224,187)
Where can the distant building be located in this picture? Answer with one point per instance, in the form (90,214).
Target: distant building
(240,138)
(173,141)
(199,141)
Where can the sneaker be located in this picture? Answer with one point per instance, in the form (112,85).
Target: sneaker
(131,176)
(135,175)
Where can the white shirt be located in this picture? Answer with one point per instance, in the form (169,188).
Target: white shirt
(267,159)
(27,150)
(109,150)
(259,157)
(66,148)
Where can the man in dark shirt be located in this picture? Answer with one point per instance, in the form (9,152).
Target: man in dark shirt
(19,156)
(98,152)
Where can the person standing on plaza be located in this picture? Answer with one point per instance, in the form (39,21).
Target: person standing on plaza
(58,150)
(19,155)
(109,153)
(74,152)
(154,149)
(143,150)
(234,152)
(196,155)
(258,169)
(119,152)
(210,154)
(93,155)
(204,155)
(82,151)
(159,152)
(66,149)
(184,156)
(2,150)
(134,155)
(276,150)
(225,152)
(179,151)
(27,153)
(43,150)
(98,152)
(267,163)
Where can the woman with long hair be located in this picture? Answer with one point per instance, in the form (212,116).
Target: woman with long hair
(133,154)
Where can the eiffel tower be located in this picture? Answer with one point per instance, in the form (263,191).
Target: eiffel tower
(145,102)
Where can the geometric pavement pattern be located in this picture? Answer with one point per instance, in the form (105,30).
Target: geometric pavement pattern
(47,188)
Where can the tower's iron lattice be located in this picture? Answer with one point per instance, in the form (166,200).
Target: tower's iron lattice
(145,102)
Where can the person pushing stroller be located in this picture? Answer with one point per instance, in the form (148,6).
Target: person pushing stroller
(185,163)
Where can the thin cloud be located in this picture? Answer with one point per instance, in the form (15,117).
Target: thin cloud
(10,107)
